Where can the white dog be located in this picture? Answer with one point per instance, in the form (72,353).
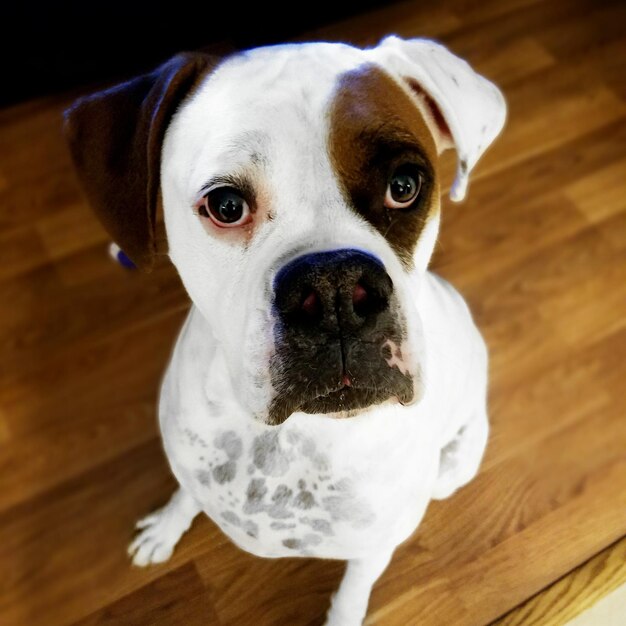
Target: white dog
(325,386)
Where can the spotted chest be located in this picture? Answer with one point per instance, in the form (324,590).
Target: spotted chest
(274,492)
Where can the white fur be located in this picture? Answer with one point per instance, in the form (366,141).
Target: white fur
(368,478)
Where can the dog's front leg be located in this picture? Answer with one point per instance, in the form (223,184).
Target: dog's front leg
(161,530)
(349,603)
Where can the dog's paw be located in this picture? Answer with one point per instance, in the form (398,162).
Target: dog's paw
(160,532)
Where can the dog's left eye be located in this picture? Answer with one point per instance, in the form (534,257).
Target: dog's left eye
(403,189)
(225,207)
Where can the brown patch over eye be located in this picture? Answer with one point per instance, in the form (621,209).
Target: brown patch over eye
(384,156)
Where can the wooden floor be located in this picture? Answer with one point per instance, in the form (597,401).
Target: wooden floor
(539,251)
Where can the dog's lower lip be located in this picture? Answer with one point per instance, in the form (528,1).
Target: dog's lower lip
(344,387)
(338,400)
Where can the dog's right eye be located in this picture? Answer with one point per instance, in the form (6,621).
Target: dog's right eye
(225,207)
(404,188)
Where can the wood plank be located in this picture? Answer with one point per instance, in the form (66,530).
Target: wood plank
(572,36)
(48,316)
(512,61)
(526,561)
(64,554)
(492,199)
(178,597)
(600,195)
(5,434)
(285,591)
(67,429)
(21,250)
(578,591)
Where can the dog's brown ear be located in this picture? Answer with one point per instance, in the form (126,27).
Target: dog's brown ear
(115,138)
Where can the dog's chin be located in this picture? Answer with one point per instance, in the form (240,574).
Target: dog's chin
(345,402)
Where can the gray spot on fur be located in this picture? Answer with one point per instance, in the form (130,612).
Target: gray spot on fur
(279,513)
(281,526)
(255,502)
(282,495)
(301,484)
(204,477)
(268,455)
(281,499)
(232,517)
(312,539)
(320,462)
(212,407)
(255,493)
(321,525)
(225,473)
(308,448)
(230,443)
(250,469)
(349,509)
(251,528)
(304,500)
(292,543)
(293,437)
(194,438)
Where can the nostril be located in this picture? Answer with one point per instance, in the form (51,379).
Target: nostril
(367,300)
(359,295)
(311,304)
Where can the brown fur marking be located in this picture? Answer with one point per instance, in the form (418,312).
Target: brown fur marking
(375,127)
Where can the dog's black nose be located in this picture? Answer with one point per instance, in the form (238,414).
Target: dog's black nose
(339,336)
(334,293)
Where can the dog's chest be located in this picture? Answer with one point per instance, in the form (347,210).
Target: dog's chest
(299,491)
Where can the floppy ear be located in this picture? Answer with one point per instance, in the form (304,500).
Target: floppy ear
(466,110)
(115,138)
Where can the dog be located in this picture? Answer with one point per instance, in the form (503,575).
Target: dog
(325,385)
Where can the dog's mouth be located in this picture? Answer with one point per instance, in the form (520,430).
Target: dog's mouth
(339,401)
(344,400)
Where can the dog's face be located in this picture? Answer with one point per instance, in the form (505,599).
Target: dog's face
(300,194)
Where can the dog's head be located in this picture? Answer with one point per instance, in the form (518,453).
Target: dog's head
(300,193)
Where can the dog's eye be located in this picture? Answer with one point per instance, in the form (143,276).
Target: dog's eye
(403,189)
(225,207)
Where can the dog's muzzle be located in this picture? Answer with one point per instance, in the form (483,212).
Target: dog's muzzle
(338,335)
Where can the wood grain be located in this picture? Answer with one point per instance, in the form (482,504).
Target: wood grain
(574,593)
(539,251)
